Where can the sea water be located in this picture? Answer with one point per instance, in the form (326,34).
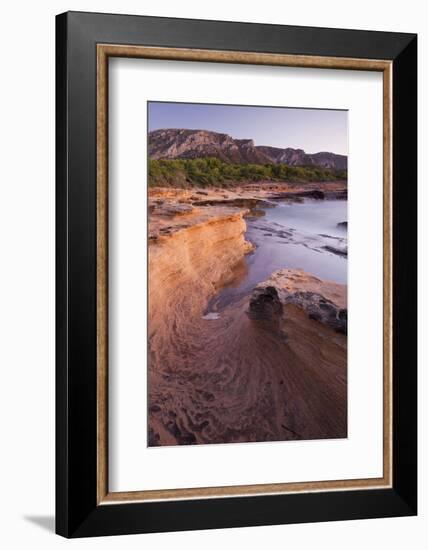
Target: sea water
(303,235)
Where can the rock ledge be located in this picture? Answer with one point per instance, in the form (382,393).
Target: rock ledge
(322,301)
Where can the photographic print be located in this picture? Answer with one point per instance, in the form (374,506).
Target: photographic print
(247,273)
(202,275)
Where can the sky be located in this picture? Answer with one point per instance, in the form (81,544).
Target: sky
(312,130)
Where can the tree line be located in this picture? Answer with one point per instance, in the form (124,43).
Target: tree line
(205,172)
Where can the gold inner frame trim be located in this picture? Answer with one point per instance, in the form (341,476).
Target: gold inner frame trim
(104,51)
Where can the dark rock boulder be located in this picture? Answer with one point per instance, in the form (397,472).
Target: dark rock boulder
(265,304)
(298,196)
(320,309)
(335,250)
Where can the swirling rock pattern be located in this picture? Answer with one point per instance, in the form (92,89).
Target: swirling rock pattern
(263,369)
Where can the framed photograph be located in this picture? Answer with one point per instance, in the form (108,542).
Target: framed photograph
(236,274)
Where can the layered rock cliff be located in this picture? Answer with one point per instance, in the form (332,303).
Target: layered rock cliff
(192,252)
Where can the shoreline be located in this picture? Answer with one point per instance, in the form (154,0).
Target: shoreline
(289,333)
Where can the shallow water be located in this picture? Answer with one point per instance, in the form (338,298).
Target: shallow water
(291,235)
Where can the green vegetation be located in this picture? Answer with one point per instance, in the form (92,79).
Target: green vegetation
(204,172)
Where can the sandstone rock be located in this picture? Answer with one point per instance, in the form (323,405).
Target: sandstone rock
(237,202)
(255,213)
(177,209)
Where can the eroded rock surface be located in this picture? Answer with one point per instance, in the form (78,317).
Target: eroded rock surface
(322,301)
(270,366)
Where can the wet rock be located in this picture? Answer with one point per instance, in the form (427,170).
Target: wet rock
(342,194)
(322,301)
(255,213)
(320,309)
(265,304)
(318,194)
(315,194)
(342,325)
(298,195)
(335,250)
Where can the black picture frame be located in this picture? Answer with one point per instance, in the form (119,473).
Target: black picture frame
(77,511)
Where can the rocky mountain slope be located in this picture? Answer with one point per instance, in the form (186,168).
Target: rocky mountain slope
(189,144)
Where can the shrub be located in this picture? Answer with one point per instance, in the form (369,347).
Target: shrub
(203,172)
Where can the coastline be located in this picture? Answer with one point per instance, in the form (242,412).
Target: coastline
(273,366)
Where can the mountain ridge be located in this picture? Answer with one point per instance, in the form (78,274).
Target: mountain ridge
(175,143)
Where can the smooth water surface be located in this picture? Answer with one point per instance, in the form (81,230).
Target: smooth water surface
(302,235)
